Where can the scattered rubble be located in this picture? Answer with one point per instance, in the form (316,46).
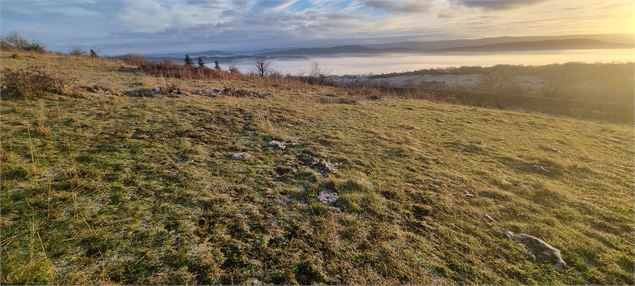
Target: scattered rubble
(539,250)
(208,92)
(323,167)
(178,93)
(241,156)
(144,92)
(99,89)
(277,144)
(228,91)
(328,197)
(320,165)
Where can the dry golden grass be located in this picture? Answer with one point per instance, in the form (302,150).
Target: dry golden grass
(125,190)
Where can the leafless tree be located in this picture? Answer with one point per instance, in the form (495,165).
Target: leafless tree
(263,66)
(317,70)
(15,40)
(77,51)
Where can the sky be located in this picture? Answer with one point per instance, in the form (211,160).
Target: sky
(158,26)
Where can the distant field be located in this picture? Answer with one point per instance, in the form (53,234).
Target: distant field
(101,187)
(601,91)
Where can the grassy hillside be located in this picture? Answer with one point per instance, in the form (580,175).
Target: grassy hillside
(596,91)
(100,188)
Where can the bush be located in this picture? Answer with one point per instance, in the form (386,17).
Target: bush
(16,41)
(234,70)
(77,51)
(31,83)
(134,59)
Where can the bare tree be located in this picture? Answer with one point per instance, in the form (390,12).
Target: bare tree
(15,40)
(263,66)
(77,51)
(317,70)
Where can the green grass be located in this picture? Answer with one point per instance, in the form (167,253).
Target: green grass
(107,189)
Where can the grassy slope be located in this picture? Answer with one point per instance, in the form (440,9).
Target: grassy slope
(101,189)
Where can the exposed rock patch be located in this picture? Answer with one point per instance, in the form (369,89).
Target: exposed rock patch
(539,250)
(328,197)
(323,167)
(320,165)
(241,156)
(228,91)
(99,89)
(277,144)
(144,92)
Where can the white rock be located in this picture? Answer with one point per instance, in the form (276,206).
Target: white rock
(241,156)
(539,250)
(328,197)
(277,144)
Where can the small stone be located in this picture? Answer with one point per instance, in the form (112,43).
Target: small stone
(324,167)
(277,144)
(208,92)
(521,184)
(469,194)
(539,250)
(147,92)
(241,156)
(551,149)
(489,200)
(328,197)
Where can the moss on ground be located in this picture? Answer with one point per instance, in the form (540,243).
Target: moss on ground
(110,189)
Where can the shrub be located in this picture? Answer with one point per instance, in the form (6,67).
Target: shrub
(77,51)
(32,82)
(16,41)
(134,59)
(233,70)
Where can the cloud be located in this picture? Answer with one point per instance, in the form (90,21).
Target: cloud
(145,16)
(406,6)
(154,26)
(497,4)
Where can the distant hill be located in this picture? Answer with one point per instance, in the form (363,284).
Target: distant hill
(445,44)
(542,45)
(210,53)
(602,41)
(348,49)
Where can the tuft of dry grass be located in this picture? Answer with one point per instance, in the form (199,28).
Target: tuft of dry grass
(29,83)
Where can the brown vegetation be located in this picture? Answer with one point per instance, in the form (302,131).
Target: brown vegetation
(33,82)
